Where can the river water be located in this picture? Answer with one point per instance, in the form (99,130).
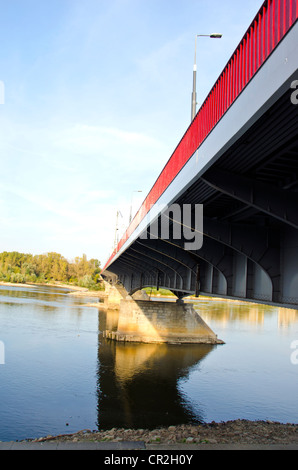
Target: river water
(59,375)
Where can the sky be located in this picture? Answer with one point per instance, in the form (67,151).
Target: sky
(97,95)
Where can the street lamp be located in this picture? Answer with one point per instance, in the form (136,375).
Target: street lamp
(130,215)
(116,241)
(194,91)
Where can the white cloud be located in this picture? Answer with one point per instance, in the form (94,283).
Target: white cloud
(64,186)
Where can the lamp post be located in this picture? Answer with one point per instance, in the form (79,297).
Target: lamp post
(194,91)
(116,241)
(130,214)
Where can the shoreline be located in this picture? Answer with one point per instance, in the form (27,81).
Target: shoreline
(229,432)
(49,284)
(75,289)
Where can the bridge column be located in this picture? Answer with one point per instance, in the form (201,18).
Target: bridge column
(161,322)
(115,293)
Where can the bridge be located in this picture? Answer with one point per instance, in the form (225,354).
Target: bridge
(235,169)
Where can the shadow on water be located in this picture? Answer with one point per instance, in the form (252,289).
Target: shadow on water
(138,383)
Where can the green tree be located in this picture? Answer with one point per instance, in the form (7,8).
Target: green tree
(20,267)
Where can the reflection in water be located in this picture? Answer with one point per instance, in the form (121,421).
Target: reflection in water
(59,369)
(287,317)
(32,292)
(40,298)
(137,383)
(44,298)
(227,312)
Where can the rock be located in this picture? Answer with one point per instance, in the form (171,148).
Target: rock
(239,431)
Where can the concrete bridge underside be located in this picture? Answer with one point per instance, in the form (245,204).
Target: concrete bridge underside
(239,160)
(250,200)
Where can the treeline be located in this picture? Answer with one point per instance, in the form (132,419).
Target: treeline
(21,268)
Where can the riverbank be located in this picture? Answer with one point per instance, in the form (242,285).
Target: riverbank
(74,290)
(47,284)
(231,432)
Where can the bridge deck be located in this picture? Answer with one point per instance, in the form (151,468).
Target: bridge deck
(239,159)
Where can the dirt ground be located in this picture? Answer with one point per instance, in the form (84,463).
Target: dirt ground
(231,432)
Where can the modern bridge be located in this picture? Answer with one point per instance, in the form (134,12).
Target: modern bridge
(238,159)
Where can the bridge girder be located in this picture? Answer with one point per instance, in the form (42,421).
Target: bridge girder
(249,190)
(274,202)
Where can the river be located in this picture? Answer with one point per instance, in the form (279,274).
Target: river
(59,375)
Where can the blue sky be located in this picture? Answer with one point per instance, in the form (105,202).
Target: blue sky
(97,96)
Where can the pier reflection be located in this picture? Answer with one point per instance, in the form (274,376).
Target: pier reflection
(138,383)
(232,311)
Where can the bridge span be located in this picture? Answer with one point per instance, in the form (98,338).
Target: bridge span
(238,160)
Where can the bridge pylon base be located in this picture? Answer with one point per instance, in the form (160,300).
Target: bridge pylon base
(142,321)
(114,294)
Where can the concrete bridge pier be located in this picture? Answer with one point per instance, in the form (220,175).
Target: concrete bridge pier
(114,293)
(146,321)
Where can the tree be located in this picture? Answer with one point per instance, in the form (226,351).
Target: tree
(20,267)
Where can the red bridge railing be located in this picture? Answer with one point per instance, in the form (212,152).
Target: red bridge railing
(271,24)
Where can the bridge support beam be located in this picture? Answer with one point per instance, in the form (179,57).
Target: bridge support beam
(161,322)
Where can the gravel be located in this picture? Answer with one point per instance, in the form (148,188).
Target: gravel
(230,432)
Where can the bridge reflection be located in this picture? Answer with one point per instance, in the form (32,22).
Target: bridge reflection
(229,311)
(138,384)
